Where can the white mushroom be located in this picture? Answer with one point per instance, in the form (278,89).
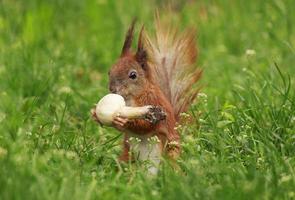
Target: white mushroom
(113,105)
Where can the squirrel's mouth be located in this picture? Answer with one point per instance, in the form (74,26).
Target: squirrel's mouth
(113,90)
(121,90)
(117,92)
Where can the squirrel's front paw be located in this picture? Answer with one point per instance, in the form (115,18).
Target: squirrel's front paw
(120,123)
(155,114)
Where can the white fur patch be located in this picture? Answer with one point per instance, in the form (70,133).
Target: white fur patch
(146,148)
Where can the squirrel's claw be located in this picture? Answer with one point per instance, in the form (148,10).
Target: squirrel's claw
(155,114)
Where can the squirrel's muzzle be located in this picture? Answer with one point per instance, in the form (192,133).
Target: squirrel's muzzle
(113,88)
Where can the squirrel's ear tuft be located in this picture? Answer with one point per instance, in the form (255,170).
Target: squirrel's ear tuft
(141,54)
(128,39)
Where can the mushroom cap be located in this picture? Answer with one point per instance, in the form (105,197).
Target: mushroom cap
(108,107)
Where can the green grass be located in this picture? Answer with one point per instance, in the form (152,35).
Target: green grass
(54,59)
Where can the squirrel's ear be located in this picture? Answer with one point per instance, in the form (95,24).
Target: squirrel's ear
(128,39)
(141,54)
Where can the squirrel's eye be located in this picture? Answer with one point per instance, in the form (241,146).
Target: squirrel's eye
(132,75)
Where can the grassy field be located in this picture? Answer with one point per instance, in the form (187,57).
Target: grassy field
(54,59)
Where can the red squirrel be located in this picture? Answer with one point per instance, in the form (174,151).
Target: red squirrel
(162,72)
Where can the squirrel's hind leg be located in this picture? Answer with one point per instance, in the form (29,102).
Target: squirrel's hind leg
(125,155)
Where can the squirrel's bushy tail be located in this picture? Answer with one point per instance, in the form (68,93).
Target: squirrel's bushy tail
(172,57)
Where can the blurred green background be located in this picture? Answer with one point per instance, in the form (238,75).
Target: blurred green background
(54,59)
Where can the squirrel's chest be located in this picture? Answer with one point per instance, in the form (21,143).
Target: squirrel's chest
(139,101)
(131,102)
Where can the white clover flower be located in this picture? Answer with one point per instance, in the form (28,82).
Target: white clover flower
(177,127)
(260,161)
(285,178)
(155,192)
(93,174)
(134,141)
(138,139)
(65,90)
(173,143)
(202,95)
(291,194)
(184,114)
(71,155)
(202,121)
(29,133)
(58,152)
(154,139)
(250,52)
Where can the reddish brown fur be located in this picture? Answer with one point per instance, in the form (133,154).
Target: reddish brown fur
(164,130)
(145,90)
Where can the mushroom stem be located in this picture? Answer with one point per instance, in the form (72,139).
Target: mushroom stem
(113,105)
(133,112)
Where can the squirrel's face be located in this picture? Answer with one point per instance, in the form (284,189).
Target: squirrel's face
(127,78)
